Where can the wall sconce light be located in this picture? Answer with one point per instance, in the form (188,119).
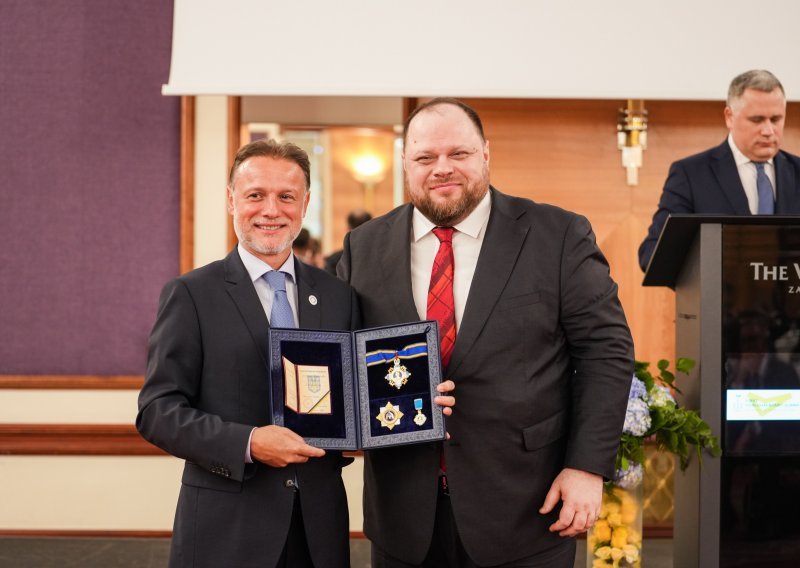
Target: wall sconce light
(368,169)
(632,137)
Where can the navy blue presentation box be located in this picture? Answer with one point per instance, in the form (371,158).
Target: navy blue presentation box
(366,389)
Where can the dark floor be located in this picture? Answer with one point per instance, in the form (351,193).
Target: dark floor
(153,553)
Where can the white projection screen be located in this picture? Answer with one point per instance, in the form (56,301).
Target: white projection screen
(583,49)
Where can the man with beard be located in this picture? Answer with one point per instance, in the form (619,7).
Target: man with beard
(532,334)
(253,493)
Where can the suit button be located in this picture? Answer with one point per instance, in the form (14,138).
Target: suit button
(289,483)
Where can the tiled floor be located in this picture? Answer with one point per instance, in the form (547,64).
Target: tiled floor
(153,553)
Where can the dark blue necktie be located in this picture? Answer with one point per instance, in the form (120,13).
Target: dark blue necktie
(766,199)
(281,314)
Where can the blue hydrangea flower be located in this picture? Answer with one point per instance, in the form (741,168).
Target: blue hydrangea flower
(629,478)
(638,390)
(637,417)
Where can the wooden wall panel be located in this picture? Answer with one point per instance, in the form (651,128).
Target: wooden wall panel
(564,152)
(345,144)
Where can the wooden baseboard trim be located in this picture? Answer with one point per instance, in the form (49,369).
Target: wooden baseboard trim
(79,440)
(649,532)
(61,533)
(72,382)
(74,440)
(657,531)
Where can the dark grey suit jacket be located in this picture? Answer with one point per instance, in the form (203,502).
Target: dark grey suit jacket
(207,386)
(542,364)
(709,183)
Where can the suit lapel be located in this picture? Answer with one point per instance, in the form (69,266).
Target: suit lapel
(309,301)
(244,296)
(724,167)
(396,265)
(505,235)
(785,191)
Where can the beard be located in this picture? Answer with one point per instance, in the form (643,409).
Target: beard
(248,239)
(452,212)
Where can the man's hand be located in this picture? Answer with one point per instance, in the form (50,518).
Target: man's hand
(581,493)
(448,402)
(278,446)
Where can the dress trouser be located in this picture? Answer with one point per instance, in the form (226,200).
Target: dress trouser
(447,550)
(295,552)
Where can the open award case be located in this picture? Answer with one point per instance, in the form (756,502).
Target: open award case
(366,389)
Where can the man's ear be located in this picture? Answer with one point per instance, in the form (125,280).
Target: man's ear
(229,196)
(728,117)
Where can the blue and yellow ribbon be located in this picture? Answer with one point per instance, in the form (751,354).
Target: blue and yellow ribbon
(408,352)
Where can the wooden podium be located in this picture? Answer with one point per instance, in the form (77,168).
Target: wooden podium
(737,285)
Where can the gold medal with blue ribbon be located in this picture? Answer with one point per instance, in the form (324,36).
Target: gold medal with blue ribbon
(420,418)
(398,375)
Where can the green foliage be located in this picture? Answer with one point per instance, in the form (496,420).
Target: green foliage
(674,429)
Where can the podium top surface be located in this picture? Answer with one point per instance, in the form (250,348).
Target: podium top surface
(679,233)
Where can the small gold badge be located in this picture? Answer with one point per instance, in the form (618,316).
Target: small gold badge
(420,418)
(389,415)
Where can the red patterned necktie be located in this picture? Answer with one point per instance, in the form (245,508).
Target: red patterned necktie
(441,306)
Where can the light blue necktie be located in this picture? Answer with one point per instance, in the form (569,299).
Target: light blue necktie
(766,199)
(281,315)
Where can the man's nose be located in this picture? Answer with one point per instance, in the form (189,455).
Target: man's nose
(442,166)
(270,206)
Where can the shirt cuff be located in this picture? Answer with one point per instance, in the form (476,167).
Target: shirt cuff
(247,457)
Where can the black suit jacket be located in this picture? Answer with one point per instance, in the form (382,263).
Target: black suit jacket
(542,365)
(207,386)
(709,183)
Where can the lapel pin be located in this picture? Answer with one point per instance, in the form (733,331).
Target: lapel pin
(312,299)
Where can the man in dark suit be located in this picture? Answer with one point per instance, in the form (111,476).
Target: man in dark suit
(354,219)
(727,179)
(542,359)
(252,494)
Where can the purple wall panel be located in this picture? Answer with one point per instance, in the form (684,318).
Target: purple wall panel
(89,183)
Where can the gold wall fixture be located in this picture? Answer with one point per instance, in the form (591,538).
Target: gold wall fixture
(632,137)
(369,170)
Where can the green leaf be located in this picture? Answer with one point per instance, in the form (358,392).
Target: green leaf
(684,365)
(667,377)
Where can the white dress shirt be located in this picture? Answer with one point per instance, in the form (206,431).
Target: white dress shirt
(256,268)
(747,173)
(467,242)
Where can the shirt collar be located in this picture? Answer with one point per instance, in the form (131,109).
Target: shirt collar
(738,156)
(471,226)
(256,268)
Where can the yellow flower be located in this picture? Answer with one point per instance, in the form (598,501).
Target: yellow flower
(609,508)
(614,519)
(629,511)
(602,531)
(619,492)
(631,553)
(616,555)
(619,537)
(603,553)
(598,563)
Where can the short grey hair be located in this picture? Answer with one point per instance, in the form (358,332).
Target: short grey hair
(758,79)
(268,148)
